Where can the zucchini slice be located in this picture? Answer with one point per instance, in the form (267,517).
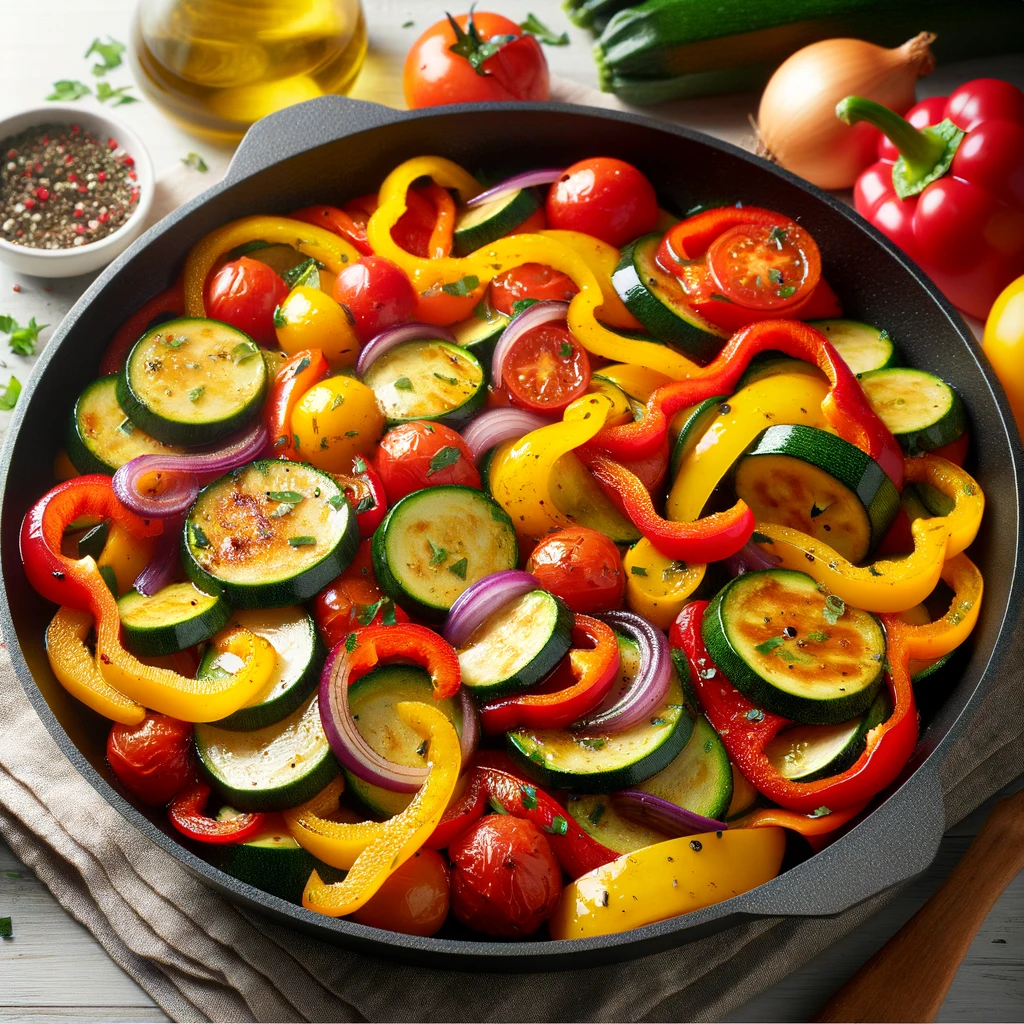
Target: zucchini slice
(922,411)
(192,381)
(373,699)
(700,778)
(693,424)
(479,335)
(101,438)
(816,482)
(480,225)
(269,534)
(517,646)
(597,816)
(794,651)
(658,301)
(768,364)
(561,759)
(435,543)
(174,618)
(862,346)
(300,656)
(270,769)
(578,496)
(427,380)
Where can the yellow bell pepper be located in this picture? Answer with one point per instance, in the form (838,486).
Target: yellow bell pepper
(639,382)
(372,850)
(891,585)
(331,250)
(309,318)
(74,665)
(667,879)
(657,587)
(931,640)
(505,254)
(126,555)
(1004,344)
(621,411)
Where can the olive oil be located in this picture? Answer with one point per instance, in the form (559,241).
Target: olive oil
(216,66)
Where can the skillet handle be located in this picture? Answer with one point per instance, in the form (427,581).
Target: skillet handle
(898,841)
(303,127)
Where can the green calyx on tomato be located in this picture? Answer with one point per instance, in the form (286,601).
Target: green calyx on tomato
(469,43)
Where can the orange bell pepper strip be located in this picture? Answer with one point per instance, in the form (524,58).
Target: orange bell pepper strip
(295,377)
(441,238)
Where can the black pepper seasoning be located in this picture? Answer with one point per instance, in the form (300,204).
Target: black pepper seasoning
(61,187)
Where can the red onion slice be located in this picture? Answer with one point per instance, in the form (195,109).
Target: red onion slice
(494,426)
(663,815)
(621,711)
(162,566)
(183,475)
(355,753)
(399,335)
(481,600)
(750,558)
(533,316)
(526,180)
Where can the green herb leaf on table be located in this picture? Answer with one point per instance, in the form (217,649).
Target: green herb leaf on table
(109,53)
(22,339)
(10,394)
(67,90)
(196,162)
(6,928)
(443,458)
(537,28)
(105,92)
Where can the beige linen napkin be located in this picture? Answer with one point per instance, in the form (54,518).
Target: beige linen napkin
(202,958)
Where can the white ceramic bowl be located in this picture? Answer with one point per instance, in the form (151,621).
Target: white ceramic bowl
(85,258)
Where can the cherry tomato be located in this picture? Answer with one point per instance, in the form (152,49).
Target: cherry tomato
(415,455)
(530,281)
(546,369)
(152,760)
(375,293)
(340,222)
(343,603)
(582,567)
(435,75)
(245,293)
(334,421)
(414,900)
(365,492)
(505,878)
(412,232)
(603,197)
(763,267)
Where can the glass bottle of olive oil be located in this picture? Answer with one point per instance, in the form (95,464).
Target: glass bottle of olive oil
(216,66)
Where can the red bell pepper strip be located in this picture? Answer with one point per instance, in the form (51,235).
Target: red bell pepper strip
(952,201)
(167,305)
(461,813)
(365,491)
(708,539)
(367,646)
(339,221)
(443,234)
(690,238)
(293,380)
(187,812)
(746,729)
(845,406)
(593,668)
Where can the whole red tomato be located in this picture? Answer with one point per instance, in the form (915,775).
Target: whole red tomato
(582,567)
(366,495)
(435,75)
(603,197)
(375,294)
(415,898)
(415,455)
(245,293)
(505,878)
(530,281)
(152,760)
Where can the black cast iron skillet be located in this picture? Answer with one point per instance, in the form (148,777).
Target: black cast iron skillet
(331,149)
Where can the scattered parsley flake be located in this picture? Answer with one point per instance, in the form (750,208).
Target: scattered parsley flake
(437,554)
(787,292)
(196,162)
(173,340)
(22,339)
(340,400)
(404,384)
(292,497)
(529,797)
(637,570)
(351,433)
(443,458)
(109,53)
(834,609)
(408,24)
(244,350)
(68,90)
(302,542)
(777,235)
(199,538)
(775,276)
(819,812)
(351,642)
(196,393)
(359,465)
(9,395)
(818,636)
(770,644)
(307,274)
(559,826)
(593,742)
(448,380)
(565,350)
(464,286)
(459,568)
(105,92)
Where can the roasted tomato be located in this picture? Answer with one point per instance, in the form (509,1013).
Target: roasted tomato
(415,898)
(415,455)
(245,293)
(546,369)
(152,760)
(374,294)
(530,281)
(582,567)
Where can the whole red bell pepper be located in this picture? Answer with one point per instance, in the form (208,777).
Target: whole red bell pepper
(948,187)
(746,729)
(187,812)
(294,378)
(593,669)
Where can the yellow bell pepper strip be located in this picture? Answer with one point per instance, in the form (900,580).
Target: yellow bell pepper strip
(621,411)
(385,845)
(74,665)
(639,382)
(657,587)
(127,555)
(932,640)
(785,398)
(523,475)
(310,240)
(890,585)
(667,879)
(482,266)
(77,583)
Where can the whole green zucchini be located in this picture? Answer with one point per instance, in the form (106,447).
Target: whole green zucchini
(667,49)
(595,14)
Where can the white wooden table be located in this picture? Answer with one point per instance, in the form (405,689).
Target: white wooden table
(53,969)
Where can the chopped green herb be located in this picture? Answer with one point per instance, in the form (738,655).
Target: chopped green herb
(66,90)
(292,497)
(282,510)
(324,444)
(559,826)
(349,433)
(465,285)
(775,276)
(770,644)
(22,339)
(351,642)
(359,464)
(173,340)
(818,636)
(637,570)
(834,609)
(366,502)
(9,395)
(658,721)
(593,742)
(565,350)
(6,928)
(777,235)
(755,715)
(339,399)
(459,568)
(529,797)
(596,813)
(785,293)
(106,92)
(819,812)
(306,273)
(408,24)
(196,393)
(443,458)
(761,538)
(437,554)
(302,542)
(199,538)
(13,874)
(521,304)
(244,350)
(403,384)
(448,380)
(196,162)
(537,28)
(109,53)
(336,501)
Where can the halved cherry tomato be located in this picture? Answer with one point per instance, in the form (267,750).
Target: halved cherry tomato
(365,493)
(152,760)
(415,455)
(415,898)
(762,267)
(582,567)
(546,369)
(530,281)
(603,197)
(245,293)
(375,294)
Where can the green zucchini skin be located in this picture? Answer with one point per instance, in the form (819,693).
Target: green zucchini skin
(479,226)
(921,410)
(863,347)
(694,426)
(803,655)
(172,619)
(480,337)
(657,300)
